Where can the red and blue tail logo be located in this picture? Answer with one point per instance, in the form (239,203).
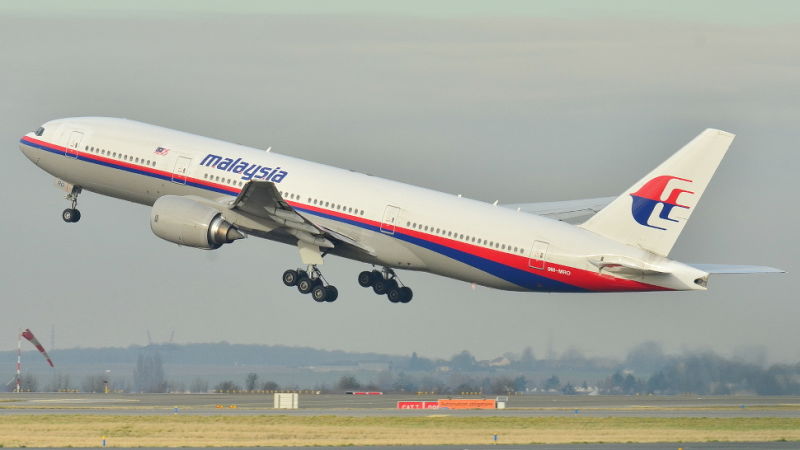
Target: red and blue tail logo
(649,195)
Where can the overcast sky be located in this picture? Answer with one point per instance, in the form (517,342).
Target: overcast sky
(512,102)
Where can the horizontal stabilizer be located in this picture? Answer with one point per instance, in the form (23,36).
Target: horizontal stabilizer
(735,269)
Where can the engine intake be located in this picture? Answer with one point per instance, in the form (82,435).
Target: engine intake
(188,222)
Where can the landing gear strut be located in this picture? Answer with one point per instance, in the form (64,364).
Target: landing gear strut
(311,282)
(71,214)
(386,282)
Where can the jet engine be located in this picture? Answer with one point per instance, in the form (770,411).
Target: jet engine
(188,222)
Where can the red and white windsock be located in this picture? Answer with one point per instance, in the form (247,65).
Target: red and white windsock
(28,334)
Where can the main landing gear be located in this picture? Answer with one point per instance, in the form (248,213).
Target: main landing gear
(71,214)
(311,282)
(386,282)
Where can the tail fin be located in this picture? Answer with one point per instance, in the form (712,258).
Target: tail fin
(652,213)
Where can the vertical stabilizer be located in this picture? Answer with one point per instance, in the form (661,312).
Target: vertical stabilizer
(652,213)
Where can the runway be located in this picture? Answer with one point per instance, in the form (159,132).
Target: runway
(657,446)
(385,405)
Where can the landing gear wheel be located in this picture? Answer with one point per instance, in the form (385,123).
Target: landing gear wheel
(366,279)
(290,277)
(305,285)
(395,295)
(405,294)
(391,283)
(379,286)
(71,215)
(331,293)
(319,293)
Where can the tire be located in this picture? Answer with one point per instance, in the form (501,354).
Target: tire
(305,285)
(395,295)
(365,279)
(76,215)
(332,294)
(391,284)
(319,294)
(68,215)
(290,277)
(406,294)
(379,286)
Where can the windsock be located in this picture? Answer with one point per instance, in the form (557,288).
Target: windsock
(28,334)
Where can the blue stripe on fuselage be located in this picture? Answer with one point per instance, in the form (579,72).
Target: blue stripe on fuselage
(513,275)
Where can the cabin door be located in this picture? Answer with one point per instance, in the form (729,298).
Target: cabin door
(181,168)
(538,255)
(73,144)
(390,215)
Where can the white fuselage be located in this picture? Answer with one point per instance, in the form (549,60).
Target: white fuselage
(407,227)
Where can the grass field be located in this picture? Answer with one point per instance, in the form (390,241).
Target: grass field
(175,430)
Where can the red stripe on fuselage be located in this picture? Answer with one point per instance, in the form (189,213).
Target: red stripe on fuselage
(581,278)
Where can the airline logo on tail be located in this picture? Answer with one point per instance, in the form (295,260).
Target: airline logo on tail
(650,195)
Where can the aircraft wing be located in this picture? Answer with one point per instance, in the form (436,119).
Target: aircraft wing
(261,200)
(570,211)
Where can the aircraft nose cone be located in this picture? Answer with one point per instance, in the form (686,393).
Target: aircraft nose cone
(26,150)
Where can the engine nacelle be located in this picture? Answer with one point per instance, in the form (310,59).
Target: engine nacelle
(185,221)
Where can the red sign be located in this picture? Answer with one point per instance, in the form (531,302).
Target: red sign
(467,403)
(417,405)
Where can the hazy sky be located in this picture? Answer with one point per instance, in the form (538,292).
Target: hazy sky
(511,102)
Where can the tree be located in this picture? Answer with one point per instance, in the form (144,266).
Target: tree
(28,383)
(93,383)
(463,361)
(227,386)
(405,383)
(250,382)
(348,383)
(646,357)
(198,385)
(419,364)
(270,386)
(520,384)
(59,382)
(552,384)
(149,373)
(569,389)
(527,360)
(503,385)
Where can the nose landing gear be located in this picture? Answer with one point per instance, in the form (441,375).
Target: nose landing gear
(386,282)
(71,214)
(311,282)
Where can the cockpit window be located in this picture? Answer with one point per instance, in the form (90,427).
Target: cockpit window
(39,132)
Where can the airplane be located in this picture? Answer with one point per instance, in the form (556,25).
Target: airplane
(206,193)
